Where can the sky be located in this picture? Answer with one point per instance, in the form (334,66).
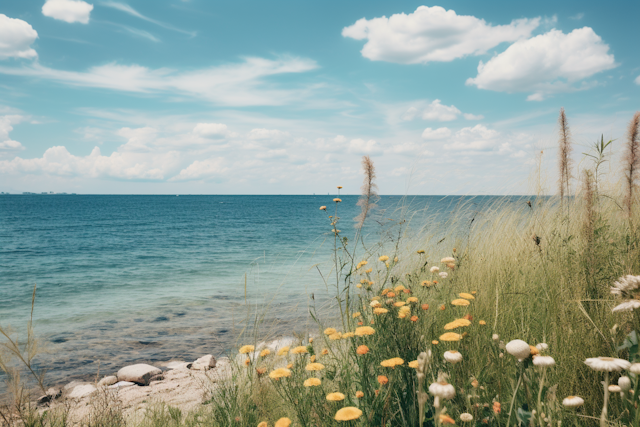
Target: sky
(285,97)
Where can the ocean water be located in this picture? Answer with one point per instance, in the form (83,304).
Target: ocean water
(126,279)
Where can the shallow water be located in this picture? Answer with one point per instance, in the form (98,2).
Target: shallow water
(123,279)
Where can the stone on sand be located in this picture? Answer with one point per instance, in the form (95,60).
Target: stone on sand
(107,381)
(139,374)
(81,391)
(204,363)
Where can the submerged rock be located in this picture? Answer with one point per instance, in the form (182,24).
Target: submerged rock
(139,374)
(204,363)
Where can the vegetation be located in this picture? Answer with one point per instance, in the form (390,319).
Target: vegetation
(521,314)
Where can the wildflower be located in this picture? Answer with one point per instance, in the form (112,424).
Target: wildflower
(608,364)
(452,356)
(435,342)
(390,295)
(446,419)
(412,299)
(420,252)
(458,323)
(311,382)
(544,361)
(442,307)
(335,397)
(614,388)
(426,283)
(348,413)
(635,368)
(443,274)
(383,258)
(573,401)
(442,389)
(356,314)
(414,318)
(542,346)
(337,200)
(466,295)
(375,303)
(247,362)
(339,187)
(475,383)
(448,260)
(392,363)
(263,424)
(413,364)
(382,380)
(466,417)
(425,306)
(359,394)
(265,352)
(376,392)
(404,312)
(434,269)
(300,350)
(312,358)
(482,322)
(365,330)
(497,408)
(451,266)
(629,305)
(399,288)
(624,383)
(360,323)
(324,352)
(495,337)
(330,331)
(279,373)
(399,304)
(379,310)
(450,336)
(362,350)
(460,302)
(335,336)
(314,367)
(323,208)
(395,259)
(283,351)
(245,349)
(369,270)
(283,422)
(261,371)
(519,349)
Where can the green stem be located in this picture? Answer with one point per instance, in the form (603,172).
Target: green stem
(544,371)
(513,399)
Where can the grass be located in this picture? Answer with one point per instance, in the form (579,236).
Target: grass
(537,270)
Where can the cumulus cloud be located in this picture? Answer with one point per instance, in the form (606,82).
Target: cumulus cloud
(434,134)
(274,134)
(7,145)
(477,138)
(16,37)
(433,34)
(360,146)
(637,80)
(548,63)
(202,170)
(469,116)
(240,84)
(211,130)
(436,111)
(68,10)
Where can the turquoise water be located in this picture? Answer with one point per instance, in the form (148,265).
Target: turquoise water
(126,279)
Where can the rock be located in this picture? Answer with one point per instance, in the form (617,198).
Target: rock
(204,363)
(43,400)
(139,374)
(107,381)
(81,391)
(54,393)
(72,385)
(121,384)
(178,365)
(158,377)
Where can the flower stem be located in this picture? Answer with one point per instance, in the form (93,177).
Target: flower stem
(513,399)
(544,372)
(603,417)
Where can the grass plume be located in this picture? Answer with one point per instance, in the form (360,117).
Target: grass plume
(369,196)
(631,161)
(564,155)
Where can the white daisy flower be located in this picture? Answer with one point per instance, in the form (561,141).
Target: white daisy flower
(519,349)
(573,401)
(609,364)
(442,389)
(625,383)
(443,274)
(615,388)
(466,417)
(544,361)
(635,368)
(452,356)
(434,269)
(542,346)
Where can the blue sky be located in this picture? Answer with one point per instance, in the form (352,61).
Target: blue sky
(252,97)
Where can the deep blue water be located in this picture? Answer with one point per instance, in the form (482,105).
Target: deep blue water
(149,278)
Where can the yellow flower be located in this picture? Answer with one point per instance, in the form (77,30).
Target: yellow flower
(283,351)
(263,424)
(356,314)
(335,336)
(420,251)
(283,422)
(358,285)
(450,336)
(330,331)
(399,303)
(324,352)
(361,264)
(365,330)
(299,350)
(435,342)
(426,283)
(380,310)
(446,419)
(399,288)
(383,380)
(310,340)
(347,335)
(392,363)
(412,299)
(413,364)
(482,322)
(290,365)
(314,367)
(337,200)
(369,270)
(265,352)
(279,373)
(362,350)
(335,397)
(348,413)
(458,323)
(246,349)
(404,312)
(460,302)
(312,382)
(383,258)
(312,358)
(247,362)
(466,295)
(359,394)
(323,208)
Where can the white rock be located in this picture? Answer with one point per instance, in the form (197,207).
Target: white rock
(106,381)
(139,374)
(204,363)
(121,384)
(81,391)
(72,385)
(178,365)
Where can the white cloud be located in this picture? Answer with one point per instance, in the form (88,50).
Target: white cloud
(469,116)
(477,138)
(411,149)
(360,146)
(68,10)
(211,130)
(433,34)
(16,37)
(441,113)
(577,16)
(202,170)
(123,7)
(637,80)
(7,145)
(434,134)
(273,134)
(240,84)
(138,139)
(544,64)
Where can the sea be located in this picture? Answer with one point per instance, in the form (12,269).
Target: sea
(124,279)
